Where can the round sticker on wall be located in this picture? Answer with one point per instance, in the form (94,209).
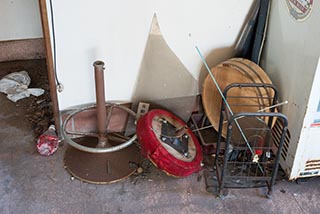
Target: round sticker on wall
(300,9)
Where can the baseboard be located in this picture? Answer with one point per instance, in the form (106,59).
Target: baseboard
(22,49)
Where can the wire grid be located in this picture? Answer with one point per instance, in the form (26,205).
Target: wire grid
(242,168)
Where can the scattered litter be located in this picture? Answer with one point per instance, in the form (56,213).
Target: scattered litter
(139,170)
(48,142)
(143,172)
(39,114)
(15,85)
(40,101)
(283,191)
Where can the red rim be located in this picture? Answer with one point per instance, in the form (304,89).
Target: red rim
(152,148)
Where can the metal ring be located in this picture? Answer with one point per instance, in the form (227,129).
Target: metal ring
(97,150)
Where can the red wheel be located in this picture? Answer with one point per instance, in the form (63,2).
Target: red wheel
(169,143)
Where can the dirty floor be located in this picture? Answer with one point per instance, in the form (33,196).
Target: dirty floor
(30,183)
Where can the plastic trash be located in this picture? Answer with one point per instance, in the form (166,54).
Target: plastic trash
(15,85)
(48,142)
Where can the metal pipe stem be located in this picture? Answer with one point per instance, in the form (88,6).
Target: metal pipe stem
(50,65)
(101,102)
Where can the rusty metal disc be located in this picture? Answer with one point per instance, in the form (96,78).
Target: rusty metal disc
(101,168)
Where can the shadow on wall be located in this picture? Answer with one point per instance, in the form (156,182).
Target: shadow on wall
(163,80)
(214,58)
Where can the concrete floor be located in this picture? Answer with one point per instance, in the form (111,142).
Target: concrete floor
(30,183)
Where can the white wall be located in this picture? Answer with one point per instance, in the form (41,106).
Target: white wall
(19,19)
(117,31)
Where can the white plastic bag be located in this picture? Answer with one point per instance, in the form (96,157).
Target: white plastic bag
(15,85)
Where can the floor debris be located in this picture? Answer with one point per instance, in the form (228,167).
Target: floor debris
(37,110)
(16,84)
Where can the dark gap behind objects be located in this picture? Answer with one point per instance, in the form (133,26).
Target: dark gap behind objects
(251,45)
